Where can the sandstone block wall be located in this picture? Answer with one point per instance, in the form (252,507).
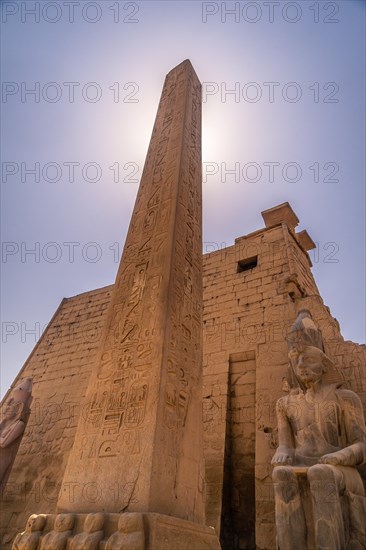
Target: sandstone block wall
(60,366)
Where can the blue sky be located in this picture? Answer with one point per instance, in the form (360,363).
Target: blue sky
(297,80)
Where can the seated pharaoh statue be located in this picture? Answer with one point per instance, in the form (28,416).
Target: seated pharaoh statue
(12,426)
(322,440)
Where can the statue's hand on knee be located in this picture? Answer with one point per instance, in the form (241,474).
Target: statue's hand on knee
(331,458)
(345,457)
(283,456)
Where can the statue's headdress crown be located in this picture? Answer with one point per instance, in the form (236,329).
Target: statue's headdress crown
(23,392)
(305,334)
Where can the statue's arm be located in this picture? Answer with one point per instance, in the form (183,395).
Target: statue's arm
(12,434)
(285,451)
(354,423)
(17,539)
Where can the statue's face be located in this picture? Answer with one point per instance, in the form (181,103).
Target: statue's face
(34,523)
(309,366)
(11,410)
(31,523)
(93,522)
(64,522)
(130,522)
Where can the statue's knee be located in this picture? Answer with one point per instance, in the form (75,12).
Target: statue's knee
(285,483)
(325,484)
(282,474)
(320,472)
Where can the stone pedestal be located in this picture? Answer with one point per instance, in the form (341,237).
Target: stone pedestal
(132,531)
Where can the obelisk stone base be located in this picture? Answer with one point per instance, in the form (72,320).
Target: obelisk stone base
(132,531)
(166,532)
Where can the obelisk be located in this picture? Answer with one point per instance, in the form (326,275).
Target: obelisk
(138,445)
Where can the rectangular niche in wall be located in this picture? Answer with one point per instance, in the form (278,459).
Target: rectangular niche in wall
(238,502)
(247,264)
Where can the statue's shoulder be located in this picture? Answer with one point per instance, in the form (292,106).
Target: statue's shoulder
(293,396)
(348,396)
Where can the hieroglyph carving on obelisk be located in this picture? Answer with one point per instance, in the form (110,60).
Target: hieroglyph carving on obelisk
(139,440)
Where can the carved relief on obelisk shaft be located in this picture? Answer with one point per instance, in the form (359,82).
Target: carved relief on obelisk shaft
(139,443)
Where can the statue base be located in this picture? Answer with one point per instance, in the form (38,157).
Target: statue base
(106,531)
